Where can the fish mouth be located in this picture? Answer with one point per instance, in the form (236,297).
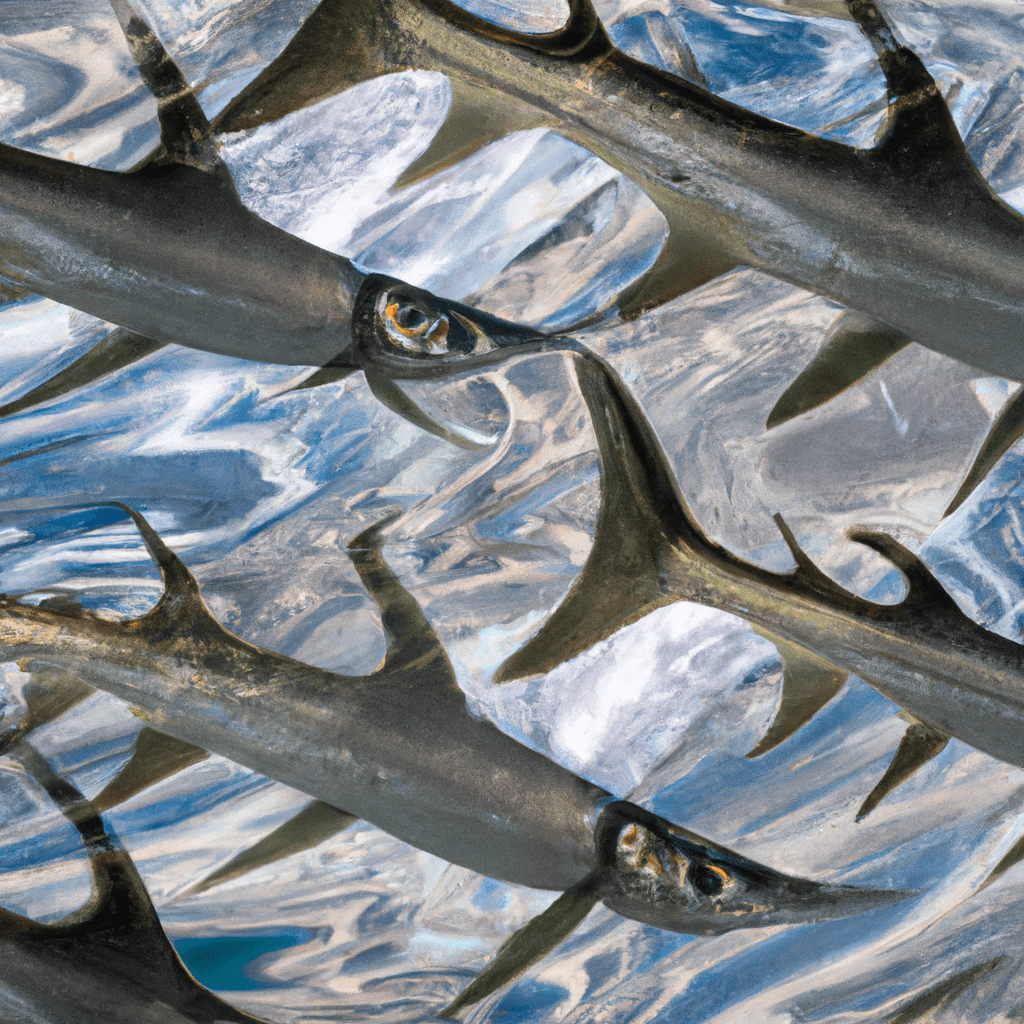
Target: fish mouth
(660,874)
(404,332)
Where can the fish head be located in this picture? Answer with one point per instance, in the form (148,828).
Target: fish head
(404,332)
(663,875)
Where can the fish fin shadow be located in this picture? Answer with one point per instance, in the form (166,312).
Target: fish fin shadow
(855,346)
(808,684)
(919,745)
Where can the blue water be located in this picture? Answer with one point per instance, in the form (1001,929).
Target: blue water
(230,963)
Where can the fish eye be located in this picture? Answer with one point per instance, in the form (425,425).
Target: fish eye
(414,329)
(708,879)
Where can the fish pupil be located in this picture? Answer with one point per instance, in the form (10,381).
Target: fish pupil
(705,880)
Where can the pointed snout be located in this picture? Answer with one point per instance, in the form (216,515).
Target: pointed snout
(665,876)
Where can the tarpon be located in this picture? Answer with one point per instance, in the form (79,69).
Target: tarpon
(171,254)
(400,748)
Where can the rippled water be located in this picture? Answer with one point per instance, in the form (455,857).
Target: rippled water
(259,488)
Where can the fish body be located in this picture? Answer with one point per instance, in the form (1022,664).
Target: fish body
(171,253)
(400,748)
(382,749)
(923,653)
(908,231)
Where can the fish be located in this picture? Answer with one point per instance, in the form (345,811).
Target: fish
(171,254)
(455,785)
(907,234)
(110,960)
(956,678)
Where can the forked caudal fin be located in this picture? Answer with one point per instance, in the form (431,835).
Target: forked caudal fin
(110,960)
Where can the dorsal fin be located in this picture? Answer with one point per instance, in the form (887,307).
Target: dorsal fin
(640,511)
(412,644)
(581,36)
(156,757)
(919,128)
(184,129)
(808,684)
(117,350)
(314,824)
(180,586)
(806,570)
(855,346)
(920,743)
(338,45)
(1007,430)
(476,117)
(116,936)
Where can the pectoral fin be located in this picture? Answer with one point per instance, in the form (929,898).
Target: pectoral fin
(313,825)
(325,375)
(156,757)
(117,350)
(1012,856)
(919,745)
(390,394)
(531,943)
(808,684)
(1007,430)
(855,346)
(476,117)
(697,250)
(48,694)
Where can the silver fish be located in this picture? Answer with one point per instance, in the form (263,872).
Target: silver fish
(908,232)
(171,254)
(400,748)
(923,653)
